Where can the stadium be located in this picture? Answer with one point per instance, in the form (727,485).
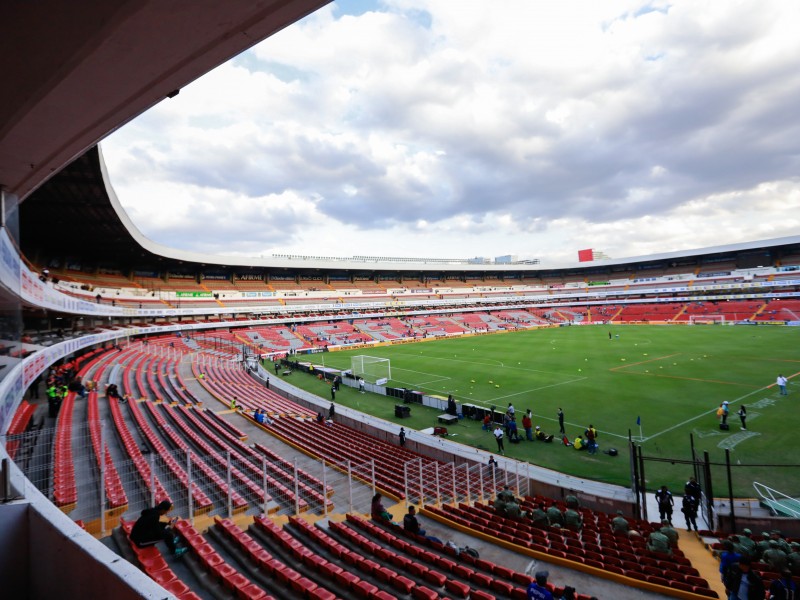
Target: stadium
(339,354)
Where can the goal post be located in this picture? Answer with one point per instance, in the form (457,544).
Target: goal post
(371,368)
(706,319)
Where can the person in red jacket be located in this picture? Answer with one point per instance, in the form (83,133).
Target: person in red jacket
(527,425)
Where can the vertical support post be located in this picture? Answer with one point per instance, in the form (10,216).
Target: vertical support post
(102,459)
(264,484)
(436,479)
(709,491)
(152,478)
(455,495)
(730,488)
(516,483)
(635,476)
(350,482)
(296,490)
(189,483)
(480,465)
(421,491)
(643,484)
(494,481)
(229,483)
(694,457)
(324,490)
(405,483)
(469,487)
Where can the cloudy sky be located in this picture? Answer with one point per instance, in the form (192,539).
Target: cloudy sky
(481,128)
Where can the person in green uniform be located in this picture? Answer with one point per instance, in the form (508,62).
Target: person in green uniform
(658,542)
(620,524)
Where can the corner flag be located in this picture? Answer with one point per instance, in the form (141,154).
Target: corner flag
(638,420)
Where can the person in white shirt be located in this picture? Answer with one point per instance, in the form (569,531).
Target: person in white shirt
(498,435)
(781,381)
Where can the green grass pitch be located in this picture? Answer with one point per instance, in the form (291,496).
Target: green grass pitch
(672,377)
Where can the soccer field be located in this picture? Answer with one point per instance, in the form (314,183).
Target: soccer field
(671,379)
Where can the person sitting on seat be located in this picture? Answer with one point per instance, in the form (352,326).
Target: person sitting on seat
(149,528)
(619,524)
(555,516)
(513,511)
(659,543)
(504,498)
(573,520)
(671,534)
(379,512)
(538,516)
(410,522)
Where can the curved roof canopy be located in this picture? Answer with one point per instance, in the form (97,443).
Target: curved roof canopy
(74,71)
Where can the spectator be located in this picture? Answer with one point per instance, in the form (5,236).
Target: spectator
(727,558)
(742,583)
(410,522)
(573,520)
(671,534)
(746,546)
(379,513)
(149,528)
(659,543)
(538,516)
(568,594)
(538,589)
(775,557)
(555,516)
(783,588)
(234,404)
(794,558)
(619,524)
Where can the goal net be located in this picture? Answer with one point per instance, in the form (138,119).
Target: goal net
(371,368)
(706,319)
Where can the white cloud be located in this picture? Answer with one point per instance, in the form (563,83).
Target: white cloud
(457,129)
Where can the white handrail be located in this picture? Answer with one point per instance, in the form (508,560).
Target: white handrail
(767,493)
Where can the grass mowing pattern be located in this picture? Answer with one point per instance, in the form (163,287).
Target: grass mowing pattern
(673,377)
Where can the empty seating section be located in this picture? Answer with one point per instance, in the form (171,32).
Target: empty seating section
(216,566)
(65,492)
(247,458)
(595,545)
(200,500)
(239,503)
(339,443)
(19,424)
(115,494)
(647,312)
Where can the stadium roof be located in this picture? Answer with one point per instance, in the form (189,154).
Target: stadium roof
(75,71)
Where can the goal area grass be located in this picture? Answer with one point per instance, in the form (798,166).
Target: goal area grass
(671,379)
